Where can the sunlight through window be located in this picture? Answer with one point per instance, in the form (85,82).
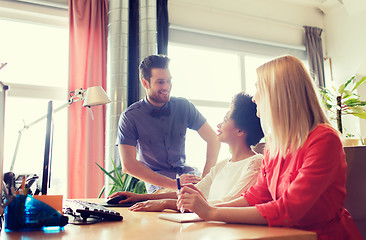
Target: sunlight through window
(209,78)
(37,58)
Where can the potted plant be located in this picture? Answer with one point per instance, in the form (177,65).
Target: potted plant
(344,100)
(122,181)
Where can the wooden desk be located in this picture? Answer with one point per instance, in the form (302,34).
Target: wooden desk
(147,226)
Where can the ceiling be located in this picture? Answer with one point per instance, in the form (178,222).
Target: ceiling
(50,3)
(323,5)
(309,3)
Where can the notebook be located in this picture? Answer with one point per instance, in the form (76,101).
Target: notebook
(181,217)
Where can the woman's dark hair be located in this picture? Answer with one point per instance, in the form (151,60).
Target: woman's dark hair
(244,114)
(153,61)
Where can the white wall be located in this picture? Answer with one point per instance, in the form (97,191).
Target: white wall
(264,20)
(346,46)
(34,13)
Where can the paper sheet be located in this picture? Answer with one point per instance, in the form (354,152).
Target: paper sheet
(180,217)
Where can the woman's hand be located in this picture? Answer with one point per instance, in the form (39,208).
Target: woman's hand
(190,185)
(130,197)
(189,178)
(190,198)
(149,206)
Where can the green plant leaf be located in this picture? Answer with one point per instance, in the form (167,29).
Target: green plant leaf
(360,115)
(122,181)
(356,104)
(328,106)
(127,183)
(108,174)
(341,88)
(120,177)
(327,95)
(357,109)
(327,98)
(349,81)
(101,192)
(334,89)
(140,187)
(119,169)
(114,188)
(358,112)
(352,102)
(346,94)
(325,91)
(360,82)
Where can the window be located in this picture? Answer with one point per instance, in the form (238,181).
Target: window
(203,72)
(209,78)
(36,72)
(209,71)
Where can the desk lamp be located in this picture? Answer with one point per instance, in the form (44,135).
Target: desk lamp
(92,96)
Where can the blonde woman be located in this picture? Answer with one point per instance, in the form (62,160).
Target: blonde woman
(302,183)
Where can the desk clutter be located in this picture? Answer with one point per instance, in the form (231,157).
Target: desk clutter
(22,209)
(25,213)
(83,212)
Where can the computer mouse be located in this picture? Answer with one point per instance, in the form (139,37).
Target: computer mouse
(116,199)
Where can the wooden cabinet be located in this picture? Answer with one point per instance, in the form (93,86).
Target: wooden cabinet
(355,201)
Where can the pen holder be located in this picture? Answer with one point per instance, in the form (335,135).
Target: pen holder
(27,213)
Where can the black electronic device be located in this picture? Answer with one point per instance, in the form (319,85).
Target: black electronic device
(86,212)
(114,202)
(116,199)
(46,171)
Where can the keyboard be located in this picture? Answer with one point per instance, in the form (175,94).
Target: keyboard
(86,212)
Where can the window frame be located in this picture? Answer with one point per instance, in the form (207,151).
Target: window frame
(36,12)
(243,47)
(50,15)
(223,42)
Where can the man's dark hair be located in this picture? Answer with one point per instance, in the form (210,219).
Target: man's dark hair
(153,61)
(244,114)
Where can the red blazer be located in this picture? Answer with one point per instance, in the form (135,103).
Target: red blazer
(306,189)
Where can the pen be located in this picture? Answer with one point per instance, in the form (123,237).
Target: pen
(178,186)
(20,189)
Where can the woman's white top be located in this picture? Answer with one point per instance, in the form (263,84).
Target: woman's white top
(228,180)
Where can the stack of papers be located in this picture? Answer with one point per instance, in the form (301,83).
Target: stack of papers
(180,217)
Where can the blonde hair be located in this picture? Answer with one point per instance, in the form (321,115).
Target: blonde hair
(289,105)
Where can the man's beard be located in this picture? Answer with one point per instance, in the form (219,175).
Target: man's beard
(158,98)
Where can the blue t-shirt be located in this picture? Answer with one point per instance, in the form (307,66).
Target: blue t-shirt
(160,141)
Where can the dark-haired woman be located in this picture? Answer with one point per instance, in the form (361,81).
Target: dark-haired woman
(240,129)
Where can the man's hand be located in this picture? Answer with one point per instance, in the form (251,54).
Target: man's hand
(130,197)
(189,178)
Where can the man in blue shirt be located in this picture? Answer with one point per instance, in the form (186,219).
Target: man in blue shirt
(151,132)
